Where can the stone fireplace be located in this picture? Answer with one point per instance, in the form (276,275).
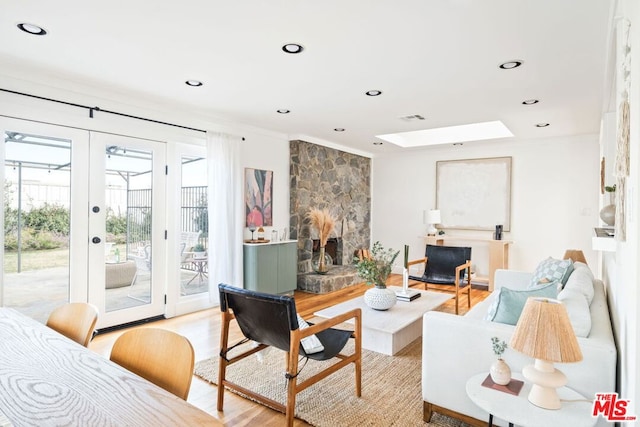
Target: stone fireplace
(323,177)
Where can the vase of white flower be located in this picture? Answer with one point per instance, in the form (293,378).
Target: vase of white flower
(499,371)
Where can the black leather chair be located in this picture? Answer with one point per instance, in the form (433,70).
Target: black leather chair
(271,320)
(444,270)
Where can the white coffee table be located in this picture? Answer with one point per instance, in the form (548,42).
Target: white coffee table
(389,331)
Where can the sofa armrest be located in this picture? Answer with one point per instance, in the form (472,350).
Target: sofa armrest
(512,279)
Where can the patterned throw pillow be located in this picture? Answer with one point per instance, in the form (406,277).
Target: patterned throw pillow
(551,270)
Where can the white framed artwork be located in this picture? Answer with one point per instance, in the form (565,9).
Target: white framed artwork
(474,194)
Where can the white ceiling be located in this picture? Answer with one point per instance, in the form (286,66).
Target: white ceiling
(435,58)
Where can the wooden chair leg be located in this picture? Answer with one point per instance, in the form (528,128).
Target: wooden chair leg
(222,367)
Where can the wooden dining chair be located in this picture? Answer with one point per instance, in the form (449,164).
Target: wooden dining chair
(75,320)
(158,355)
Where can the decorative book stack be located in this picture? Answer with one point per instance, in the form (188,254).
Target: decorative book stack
(407,296)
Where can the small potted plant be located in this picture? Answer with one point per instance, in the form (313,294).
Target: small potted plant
(199,251)
(500,371)
(375,270)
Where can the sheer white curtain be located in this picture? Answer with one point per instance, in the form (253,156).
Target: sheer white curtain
(225,211)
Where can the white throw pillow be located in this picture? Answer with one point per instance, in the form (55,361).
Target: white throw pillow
(578,311)
(581,280)
(311,344)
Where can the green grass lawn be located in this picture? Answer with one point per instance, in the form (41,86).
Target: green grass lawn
(36,260)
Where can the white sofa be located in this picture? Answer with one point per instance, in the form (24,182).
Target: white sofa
(458,347)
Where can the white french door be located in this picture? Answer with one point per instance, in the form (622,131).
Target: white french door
(127,217)
(84,220)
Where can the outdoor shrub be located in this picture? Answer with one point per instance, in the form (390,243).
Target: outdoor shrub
(116,224)
(49,217)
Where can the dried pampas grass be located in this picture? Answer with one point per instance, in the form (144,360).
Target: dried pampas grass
(324,222)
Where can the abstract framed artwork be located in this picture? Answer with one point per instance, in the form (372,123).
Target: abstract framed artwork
(474,194)
(258,197)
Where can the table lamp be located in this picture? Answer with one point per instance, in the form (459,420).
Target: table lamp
(432,217)
(544,332)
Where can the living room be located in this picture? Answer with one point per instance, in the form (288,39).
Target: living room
(555,197)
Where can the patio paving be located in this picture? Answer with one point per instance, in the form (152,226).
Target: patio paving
(36,293)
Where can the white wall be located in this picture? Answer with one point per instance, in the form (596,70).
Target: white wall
(621,268)
(554,197)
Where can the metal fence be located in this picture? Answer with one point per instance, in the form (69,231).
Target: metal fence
(193,214)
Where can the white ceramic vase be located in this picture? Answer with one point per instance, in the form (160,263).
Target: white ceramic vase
(380,298)
(500,372)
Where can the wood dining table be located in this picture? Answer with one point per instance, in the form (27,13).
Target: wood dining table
(48,380)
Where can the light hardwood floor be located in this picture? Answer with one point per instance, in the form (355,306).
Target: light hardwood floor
(203,330)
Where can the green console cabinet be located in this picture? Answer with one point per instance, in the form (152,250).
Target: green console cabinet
(271,267)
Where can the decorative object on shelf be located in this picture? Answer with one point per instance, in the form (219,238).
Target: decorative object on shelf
(608,213)
(498,234)
(199,251)
(252,229)
(375,270)
(544,332)
(324,223)
(499,371)
(432,217)
(260,233)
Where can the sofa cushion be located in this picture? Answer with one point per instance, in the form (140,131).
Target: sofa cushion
(508,304)
(581,280)
(551,270)
(578,310)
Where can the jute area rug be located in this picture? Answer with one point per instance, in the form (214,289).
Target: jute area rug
(391,388)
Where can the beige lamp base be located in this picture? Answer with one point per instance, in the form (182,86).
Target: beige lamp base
(546,379)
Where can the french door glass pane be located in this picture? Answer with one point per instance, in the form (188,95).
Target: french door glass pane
(37,194)
(128,202)
(195,227)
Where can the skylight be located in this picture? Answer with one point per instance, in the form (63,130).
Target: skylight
(449,135)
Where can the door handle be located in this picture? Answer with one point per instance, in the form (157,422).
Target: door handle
(96,240)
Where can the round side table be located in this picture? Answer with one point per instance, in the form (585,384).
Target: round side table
(575,410)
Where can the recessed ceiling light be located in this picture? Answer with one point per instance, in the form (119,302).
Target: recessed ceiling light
(458,143)
(194,83)
(542,125)
(509,65)
(373,92)
(293,48)
(32,29)
(377,143)
(530,101)
(449,135)
(283,111)
(339,129)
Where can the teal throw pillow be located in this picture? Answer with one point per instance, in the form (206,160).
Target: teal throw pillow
(508,304)
(551,270)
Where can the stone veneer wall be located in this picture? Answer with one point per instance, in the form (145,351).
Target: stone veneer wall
(322,177)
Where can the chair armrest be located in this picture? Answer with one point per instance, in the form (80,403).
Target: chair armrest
(416,261)
(466,265)
(356,314)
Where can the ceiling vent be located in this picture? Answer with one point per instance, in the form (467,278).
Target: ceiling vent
(412,118)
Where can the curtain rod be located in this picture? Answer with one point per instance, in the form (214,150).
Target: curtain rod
(92,109)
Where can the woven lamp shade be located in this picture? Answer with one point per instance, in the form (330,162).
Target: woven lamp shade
(544,332)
